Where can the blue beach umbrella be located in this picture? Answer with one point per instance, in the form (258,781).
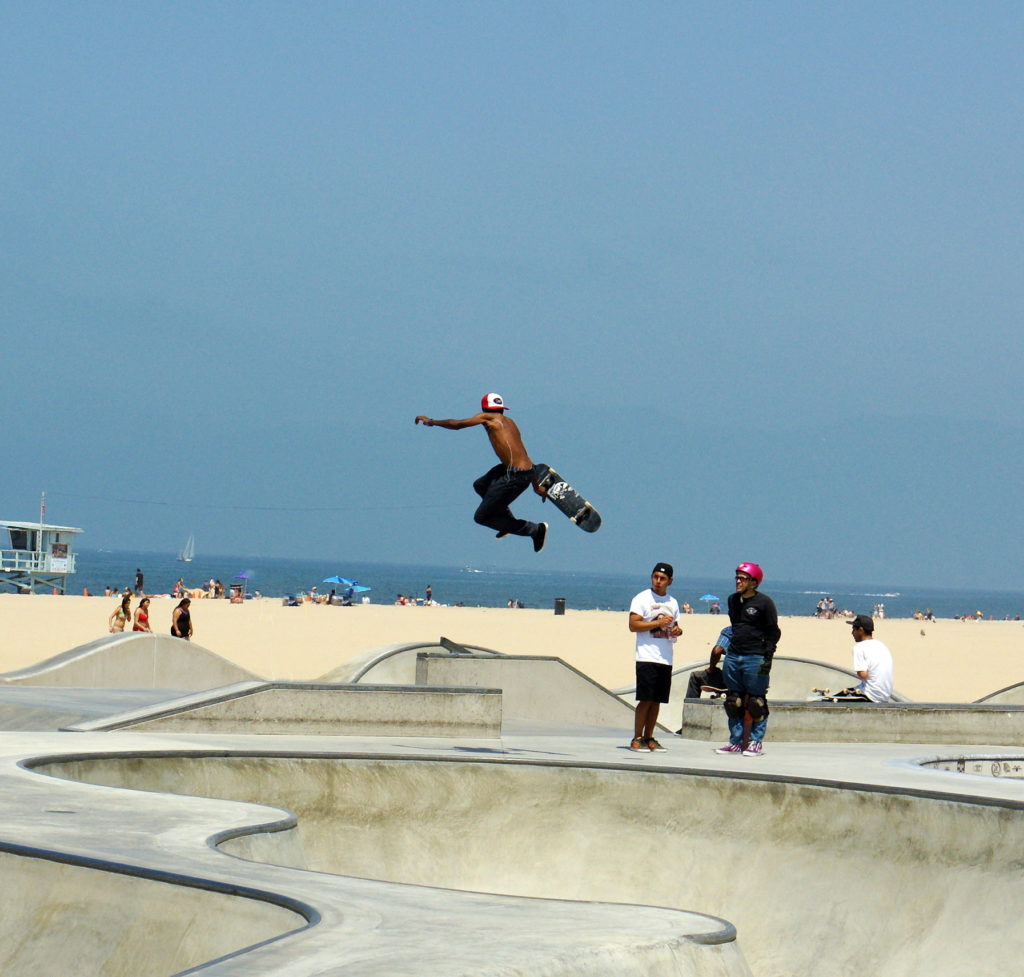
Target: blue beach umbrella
(344,581)
(709,597)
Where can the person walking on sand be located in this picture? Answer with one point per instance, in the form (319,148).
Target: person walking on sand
(118,621)
(142,616)
(505,482)
(181,620)
(653,614)
(748,662)
(138,580)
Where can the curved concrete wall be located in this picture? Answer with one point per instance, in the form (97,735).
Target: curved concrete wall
(71,921)
(393,664)
(1012,695)
(818,879)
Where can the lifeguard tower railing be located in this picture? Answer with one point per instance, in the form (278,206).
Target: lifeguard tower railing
(36,557)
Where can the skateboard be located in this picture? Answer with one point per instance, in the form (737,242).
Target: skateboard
(827,695)
(716,692)
(568,500)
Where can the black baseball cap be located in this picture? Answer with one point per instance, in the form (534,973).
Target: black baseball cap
(665,568)
(863,621)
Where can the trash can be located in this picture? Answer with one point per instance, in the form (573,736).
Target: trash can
(559,605)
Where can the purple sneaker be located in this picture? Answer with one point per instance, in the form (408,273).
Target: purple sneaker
(730,748)
(754,749)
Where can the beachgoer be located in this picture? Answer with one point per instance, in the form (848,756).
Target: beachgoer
(505,482)
(179,588)
(142,616)
(138,580)
(118,621)
(653,617)
(748,662)
(430,594)
(872,661)
(181,620)
(712,675)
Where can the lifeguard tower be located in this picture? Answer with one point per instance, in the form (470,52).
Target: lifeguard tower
(36,557)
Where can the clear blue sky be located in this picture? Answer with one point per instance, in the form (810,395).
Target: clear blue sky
(748,273)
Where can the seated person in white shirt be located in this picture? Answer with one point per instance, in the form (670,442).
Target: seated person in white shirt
(872,661)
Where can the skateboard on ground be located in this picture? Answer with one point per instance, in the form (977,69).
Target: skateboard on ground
(827,695)
(567,499)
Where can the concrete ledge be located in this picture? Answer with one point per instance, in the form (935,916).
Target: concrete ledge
(868,722)
(315,709)
(532,687)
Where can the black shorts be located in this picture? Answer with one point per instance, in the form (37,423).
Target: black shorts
(653,682)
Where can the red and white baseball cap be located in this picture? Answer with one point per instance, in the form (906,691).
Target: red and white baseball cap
(492,401)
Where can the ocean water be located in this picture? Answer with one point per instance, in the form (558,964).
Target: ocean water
(490,587)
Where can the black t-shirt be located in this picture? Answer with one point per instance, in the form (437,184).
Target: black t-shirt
(755,625)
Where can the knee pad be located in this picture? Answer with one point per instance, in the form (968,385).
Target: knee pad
(757,706)
(734,707)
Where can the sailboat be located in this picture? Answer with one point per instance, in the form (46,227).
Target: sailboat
(188,550)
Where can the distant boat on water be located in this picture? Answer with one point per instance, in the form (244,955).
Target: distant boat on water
(188,550)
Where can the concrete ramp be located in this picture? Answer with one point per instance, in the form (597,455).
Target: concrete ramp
(395,664)
(132,661)
(313,709)
(532,687)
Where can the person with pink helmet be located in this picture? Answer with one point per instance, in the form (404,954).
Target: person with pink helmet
(506,481)
(748,662)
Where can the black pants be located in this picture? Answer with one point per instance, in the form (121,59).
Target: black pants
(498,489)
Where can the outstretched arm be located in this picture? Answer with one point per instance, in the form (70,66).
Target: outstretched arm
(450,423)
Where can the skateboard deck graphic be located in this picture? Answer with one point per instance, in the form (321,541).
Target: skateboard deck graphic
(568,500)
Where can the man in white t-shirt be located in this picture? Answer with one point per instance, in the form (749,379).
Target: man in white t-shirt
(872,661)
(653,614)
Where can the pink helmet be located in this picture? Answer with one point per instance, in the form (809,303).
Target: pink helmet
(753,570)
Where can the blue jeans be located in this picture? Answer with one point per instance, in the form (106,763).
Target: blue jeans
(743,675)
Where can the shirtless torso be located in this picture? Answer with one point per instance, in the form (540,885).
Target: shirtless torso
(502,432)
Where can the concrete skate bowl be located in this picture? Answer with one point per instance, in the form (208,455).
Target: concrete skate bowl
(819,878)
(133,661)
(393,664)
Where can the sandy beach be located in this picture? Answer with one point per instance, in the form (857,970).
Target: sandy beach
(939,661)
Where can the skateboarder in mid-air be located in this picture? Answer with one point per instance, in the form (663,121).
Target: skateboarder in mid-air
(506,481)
